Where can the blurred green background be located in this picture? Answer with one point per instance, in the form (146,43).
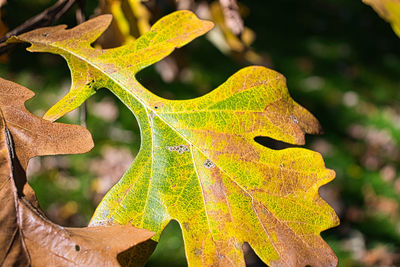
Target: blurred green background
(341,61)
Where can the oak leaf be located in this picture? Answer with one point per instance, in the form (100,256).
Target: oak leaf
(199,163)
(27,237)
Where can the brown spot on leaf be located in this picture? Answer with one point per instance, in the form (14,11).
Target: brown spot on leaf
(180,149)
(294,119)
(209,164)
(186,226)
(197,252)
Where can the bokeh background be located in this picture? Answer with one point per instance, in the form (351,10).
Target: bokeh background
(341,61)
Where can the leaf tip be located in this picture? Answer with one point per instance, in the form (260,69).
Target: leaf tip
(50,117)
(207,24)
(104,20)
(331,174)
(13,39)
(89,143)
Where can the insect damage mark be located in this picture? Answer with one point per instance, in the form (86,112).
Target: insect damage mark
(198,251)
(294,119)
(209,164)
(273,143)
(158,105)
(180,149)
(187,226)
(90,85)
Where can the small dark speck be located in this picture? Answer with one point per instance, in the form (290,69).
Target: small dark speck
(77,248)
(186,225)
(155,107)
(45,34)
(294,119)
(209,164)
(197,252)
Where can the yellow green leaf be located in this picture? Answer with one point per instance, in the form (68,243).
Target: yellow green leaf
(389,10)
(199,163)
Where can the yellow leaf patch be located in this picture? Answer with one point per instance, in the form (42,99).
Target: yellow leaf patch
(198,163)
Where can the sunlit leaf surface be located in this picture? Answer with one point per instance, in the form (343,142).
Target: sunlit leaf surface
(198,163)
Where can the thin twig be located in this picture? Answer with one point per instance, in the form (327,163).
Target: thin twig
(45,18)
(81,11)
(80,18)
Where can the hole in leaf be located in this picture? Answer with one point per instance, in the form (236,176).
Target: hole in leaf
(170,250)
(250,257)
(273,143)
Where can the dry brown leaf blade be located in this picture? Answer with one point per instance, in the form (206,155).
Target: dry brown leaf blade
(53,245)
(27,129)
(12,249)
(27,237)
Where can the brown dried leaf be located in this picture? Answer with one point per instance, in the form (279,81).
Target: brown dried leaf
(27,129)
(27,237)
(49,244)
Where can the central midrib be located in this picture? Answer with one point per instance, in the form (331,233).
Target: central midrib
(148,107)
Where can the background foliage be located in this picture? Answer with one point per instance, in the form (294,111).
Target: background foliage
(342,63)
